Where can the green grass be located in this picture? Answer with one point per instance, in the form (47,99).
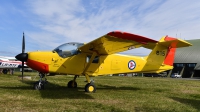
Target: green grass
(114,94)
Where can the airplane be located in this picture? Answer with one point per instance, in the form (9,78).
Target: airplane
(9,63)
(98,58)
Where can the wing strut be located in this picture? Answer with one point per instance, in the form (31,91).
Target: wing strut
(94,54)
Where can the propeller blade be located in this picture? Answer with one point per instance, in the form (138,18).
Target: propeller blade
(23,44)
(22,56)
(23,50)
(22,70)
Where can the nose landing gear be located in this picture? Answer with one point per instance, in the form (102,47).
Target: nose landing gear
(39,85)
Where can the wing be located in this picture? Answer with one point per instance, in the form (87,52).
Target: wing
(117,41)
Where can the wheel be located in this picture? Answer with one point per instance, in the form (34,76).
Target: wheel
(72,84)
(5,71)
(38,86)
(90,87)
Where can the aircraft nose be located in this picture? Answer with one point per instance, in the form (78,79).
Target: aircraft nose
(22,56)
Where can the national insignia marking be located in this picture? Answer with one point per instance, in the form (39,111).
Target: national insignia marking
(131,64)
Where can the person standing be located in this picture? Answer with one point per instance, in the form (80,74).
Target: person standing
(11,71)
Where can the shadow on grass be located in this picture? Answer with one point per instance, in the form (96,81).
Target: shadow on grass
(103,87)
(16,87)
(53,91)
(193,102)
(160,90)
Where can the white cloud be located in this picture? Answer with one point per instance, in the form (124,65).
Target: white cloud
(172,16)
(63,21)
(40,40)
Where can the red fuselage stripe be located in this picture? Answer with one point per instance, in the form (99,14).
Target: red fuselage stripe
(41,67)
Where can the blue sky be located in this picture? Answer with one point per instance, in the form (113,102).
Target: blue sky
(49,23)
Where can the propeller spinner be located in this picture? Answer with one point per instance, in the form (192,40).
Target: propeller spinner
(22,56)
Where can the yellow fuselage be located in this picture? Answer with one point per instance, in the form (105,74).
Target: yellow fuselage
(51,62)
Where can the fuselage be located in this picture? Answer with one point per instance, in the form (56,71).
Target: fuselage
(52,62)
(68,59)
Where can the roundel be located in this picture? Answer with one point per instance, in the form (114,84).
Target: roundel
(131,64)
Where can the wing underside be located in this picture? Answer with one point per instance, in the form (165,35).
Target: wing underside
(114,42)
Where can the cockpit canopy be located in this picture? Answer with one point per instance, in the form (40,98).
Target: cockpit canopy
(68,49)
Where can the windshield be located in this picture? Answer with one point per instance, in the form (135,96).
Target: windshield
(68,49)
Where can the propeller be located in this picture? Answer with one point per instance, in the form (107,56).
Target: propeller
(22,56)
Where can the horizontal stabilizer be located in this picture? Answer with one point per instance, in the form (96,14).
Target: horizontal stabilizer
(174,42)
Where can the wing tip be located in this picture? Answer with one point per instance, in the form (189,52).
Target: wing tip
(130,36)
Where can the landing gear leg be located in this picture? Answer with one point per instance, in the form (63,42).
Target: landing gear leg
(39,85)
(72,83)
(90,86)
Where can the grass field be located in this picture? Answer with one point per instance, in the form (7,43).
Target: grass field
(114,94)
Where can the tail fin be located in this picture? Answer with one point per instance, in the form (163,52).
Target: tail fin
(165,49)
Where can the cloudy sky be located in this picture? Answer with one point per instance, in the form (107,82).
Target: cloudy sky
(49,23)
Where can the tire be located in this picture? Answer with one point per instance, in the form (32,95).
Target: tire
(90,88)
(71,85)
(37,87)
(5,71)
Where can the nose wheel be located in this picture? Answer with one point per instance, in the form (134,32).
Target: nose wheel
(39,85)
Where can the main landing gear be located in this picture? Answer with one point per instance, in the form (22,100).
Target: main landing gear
(39,85)
(72,83)
(89,87)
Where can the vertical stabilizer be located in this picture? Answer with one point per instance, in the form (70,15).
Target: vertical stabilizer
(164,51)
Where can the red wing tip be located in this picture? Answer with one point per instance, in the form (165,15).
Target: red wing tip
(169,38)
(130,36)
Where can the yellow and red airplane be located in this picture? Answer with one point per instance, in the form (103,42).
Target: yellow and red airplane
(98,57)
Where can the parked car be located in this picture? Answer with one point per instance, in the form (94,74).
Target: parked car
(175,75)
